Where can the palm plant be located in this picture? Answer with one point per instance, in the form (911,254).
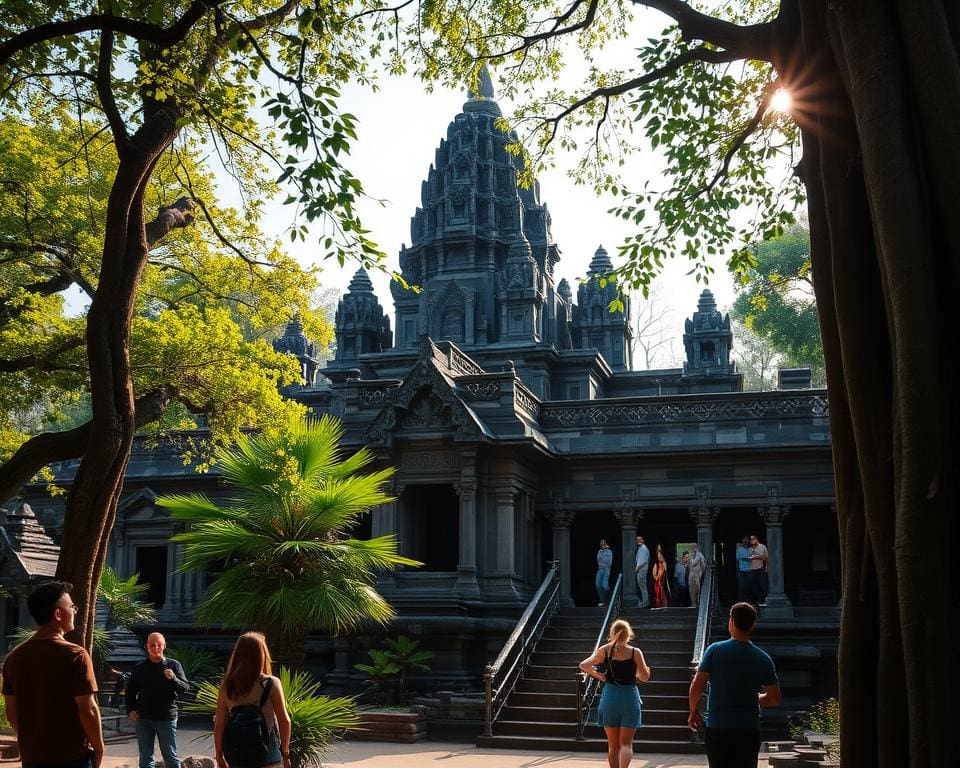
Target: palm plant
(198,664)
(291,563)
(314,719)
(122,599)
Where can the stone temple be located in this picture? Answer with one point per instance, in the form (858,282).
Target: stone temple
(521,435)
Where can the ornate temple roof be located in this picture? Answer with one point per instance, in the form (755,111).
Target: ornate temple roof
(600,264)
(25,539)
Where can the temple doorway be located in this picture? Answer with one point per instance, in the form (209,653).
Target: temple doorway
(729,529)
(585,533)
(431,526)
(811,556)
(674,532)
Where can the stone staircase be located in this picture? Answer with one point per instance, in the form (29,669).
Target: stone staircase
(541,713)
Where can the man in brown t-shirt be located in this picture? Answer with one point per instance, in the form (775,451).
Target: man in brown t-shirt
(50,689)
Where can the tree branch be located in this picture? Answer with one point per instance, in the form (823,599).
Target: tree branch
(49,447)
(164,37)
(176,216)
(749,42)
(104,77)
(44,362)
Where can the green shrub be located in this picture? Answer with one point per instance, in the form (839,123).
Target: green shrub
(823,717)
(390,667)
(315,720)
(198,664)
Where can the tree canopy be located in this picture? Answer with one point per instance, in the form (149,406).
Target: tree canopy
(777,303)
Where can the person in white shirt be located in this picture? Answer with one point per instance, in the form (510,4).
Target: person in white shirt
(758,569)
(641,569)
(695,569)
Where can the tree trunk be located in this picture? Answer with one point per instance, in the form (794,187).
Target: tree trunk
(885,248)
(92,502)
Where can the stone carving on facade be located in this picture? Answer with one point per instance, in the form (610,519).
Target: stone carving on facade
(715,410)
(525,400)
(774,514)
(429,461)
(560,518)
(480,390)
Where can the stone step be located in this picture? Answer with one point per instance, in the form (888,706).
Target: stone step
(569,700)
(553,643)
(654,687)
(641,745)
(653,658)
(663,673)
(568,714)
(568,730)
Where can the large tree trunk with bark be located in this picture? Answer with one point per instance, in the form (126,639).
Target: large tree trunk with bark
(880,157)
(92,502)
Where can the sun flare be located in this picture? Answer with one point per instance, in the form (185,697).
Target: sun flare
(782,101)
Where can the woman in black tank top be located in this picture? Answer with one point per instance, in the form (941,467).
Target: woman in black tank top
(621,668)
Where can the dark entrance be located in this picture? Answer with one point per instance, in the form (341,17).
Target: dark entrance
(431,532)
(729,529)
(673,531)
(152,567)
(811,556)
(585,533)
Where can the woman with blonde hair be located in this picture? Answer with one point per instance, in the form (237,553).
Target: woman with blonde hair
(623,667)
(252,726)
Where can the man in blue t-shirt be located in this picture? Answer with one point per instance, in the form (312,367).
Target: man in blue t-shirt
(742,679)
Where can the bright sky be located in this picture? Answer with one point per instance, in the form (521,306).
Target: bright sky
(400,128)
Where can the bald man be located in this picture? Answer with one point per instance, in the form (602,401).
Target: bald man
(152,693)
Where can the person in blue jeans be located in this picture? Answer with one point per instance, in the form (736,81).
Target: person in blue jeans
(604,563)
(152,693)
(744,578)
(742,679)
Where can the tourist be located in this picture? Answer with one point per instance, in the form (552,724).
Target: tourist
(758,569)
(50,689)
(742,679)
(744,578)
(604,562)
(661,587)
(680,578)
(623,667)
(250,688)
(152,692)
(641,569)
(696,567)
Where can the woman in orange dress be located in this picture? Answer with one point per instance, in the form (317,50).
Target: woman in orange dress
(661,596)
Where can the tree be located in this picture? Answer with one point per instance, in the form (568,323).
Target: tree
(756,358)
(777,302)
(291,563)
(653,329)
(158,79)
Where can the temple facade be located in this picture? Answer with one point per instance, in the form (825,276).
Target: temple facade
(520,435)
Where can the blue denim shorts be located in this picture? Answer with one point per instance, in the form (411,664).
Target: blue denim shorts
(620,706)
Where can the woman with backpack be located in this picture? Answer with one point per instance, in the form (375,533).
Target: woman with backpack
(252,726)
(623,666)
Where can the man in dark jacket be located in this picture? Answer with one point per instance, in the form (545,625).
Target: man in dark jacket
(152,692)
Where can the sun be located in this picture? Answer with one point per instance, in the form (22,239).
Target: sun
(782,101)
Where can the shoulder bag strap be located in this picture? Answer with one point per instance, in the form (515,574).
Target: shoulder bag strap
(267,685)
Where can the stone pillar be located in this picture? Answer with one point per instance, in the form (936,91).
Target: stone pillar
(506,530)
(560,519)
(385,522)
(467,565)
(778,604)
(704,516)
(628,518)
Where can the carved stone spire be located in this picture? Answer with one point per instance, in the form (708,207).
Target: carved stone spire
(361,325)
(594,325)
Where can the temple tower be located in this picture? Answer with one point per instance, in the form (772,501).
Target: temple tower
(594,325)
(707,339)
(361,325)
(481,249)
(295,342)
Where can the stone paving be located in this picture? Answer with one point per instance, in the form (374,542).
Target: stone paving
(426,754)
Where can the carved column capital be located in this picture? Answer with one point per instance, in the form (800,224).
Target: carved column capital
(628,517)
(704,516)
(775,514)
(560,518)
(466,488)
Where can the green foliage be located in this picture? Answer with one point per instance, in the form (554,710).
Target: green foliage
(198,664)
(824,717)
(292,564)
(122,596)
(314,719)
(392,665)
(777,304)
(4,723)
(205,316)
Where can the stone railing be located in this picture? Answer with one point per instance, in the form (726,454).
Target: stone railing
(685,409)
(526,400)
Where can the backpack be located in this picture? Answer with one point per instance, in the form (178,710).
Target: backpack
(246,736)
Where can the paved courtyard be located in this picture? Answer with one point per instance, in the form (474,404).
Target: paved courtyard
(426,754)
